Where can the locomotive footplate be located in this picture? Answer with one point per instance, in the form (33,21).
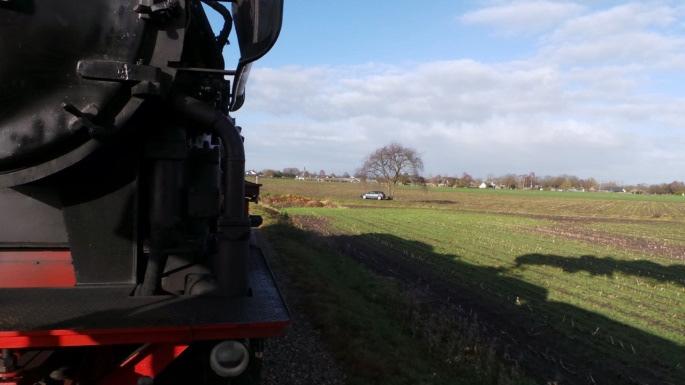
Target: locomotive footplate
(106,315)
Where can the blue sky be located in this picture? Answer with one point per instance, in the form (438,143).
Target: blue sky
(486,87)
(324,32)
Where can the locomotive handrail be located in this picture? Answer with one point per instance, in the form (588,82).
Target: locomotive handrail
(222,38)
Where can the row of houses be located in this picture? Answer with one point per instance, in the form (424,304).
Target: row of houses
(311,177)
(329,178)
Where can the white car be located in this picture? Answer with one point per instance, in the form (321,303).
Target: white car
(378,195)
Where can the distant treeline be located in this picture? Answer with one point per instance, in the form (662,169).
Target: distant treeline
(559,182)
(664,188)
(507,181)
(527,181)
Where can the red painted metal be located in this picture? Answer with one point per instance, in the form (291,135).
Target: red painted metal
(12,378)
(31,268)
(169,335)
(148,361)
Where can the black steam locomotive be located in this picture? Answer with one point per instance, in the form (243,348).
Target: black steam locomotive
(126,252)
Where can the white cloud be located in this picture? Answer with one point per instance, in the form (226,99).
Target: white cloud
(460,90)
(634,33)
(643,47)
(523,16)
(617,20)
(584,104)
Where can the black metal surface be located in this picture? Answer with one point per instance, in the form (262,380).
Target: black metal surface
(99,202)
(257,25)
(102,237)
(230,262)
(29,222)
(222,38)
(166,160)
(98,58)
(40,50)
(117,71)
(88,308)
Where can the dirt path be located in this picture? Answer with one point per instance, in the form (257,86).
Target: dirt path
(636,244)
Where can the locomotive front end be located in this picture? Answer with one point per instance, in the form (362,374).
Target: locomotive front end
(126,245)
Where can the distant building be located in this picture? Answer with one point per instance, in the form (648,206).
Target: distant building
(251,173)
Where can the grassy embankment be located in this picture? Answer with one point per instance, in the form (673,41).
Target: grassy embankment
(374,329)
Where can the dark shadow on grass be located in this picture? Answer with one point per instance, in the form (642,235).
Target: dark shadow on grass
(554,341)
(607,266)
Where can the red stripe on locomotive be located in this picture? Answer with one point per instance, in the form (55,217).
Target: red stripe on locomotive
(38,269)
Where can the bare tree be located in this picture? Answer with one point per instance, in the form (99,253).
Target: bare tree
(388,164)
(509,180)
(291,172)
(466,180)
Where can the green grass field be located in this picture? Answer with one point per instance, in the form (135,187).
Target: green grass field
(547,203)
(369,324)
(600,275)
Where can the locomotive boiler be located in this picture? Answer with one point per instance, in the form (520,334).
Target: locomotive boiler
(126,251)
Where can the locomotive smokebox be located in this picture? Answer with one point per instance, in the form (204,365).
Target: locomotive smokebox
(72,72)
(49,112)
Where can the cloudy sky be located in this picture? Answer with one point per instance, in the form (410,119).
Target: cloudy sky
(590,88)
